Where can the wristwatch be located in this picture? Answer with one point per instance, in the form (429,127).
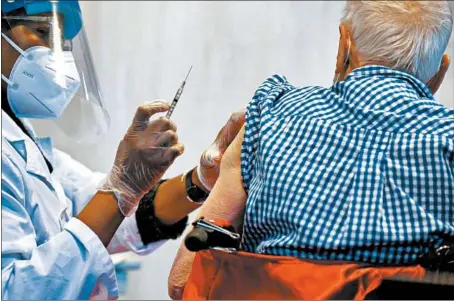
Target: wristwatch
(194,193)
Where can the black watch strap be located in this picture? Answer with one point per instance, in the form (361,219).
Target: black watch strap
(151,229)
(195,193)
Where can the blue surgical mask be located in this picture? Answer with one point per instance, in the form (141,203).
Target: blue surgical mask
(42,82)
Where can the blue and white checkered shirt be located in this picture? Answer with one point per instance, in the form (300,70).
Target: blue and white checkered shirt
(362,171)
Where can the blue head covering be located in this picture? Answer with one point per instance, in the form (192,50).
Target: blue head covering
(69,9)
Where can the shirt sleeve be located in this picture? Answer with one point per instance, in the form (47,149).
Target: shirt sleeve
(66,266)
(258,111)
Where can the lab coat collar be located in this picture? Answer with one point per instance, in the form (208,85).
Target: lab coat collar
(26,147)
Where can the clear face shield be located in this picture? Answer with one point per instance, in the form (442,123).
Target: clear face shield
(53,79)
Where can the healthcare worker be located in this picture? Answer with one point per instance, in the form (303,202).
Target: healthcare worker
(60,221)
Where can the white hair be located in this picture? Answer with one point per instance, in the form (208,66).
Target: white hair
(406,35)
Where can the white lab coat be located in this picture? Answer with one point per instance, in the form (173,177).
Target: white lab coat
(47,253)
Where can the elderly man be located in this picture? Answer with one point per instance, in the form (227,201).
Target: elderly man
(359,174)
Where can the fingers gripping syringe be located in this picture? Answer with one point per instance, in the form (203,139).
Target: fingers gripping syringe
(177,96)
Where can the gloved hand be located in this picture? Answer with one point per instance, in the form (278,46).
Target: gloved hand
(210,161)
(145,153)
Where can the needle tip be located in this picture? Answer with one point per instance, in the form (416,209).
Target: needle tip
(188,74)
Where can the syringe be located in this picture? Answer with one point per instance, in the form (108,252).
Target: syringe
(177,96)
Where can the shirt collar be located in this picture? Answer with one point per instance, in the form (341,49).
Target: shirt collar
(14,134)
(421,88)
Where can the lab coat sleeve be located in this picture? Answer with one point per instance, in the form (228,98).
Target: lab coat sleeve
(80,184)
(66,266)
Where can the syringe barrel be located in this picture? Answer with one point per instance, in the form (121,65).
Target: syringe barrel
(179,91)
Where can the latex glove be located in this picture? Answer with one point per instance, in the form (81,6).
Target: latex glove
(210,161)
(145,153)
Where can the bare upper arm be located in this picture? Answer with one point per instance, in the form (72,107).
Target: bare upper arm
(227,201)
(228,198)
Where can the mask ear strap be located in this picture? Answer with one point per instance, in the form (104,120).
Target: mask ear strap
(10,83)
(14,45)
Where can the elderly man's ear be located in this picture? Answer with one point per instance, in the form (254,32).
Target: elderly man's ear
(347,56)
(436,81)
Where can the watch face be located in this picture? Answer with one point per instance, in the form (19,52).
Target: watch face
(195,195)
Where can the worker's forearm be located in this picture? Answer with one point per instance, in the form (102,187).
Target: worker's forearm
(102,216)
(171,202)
